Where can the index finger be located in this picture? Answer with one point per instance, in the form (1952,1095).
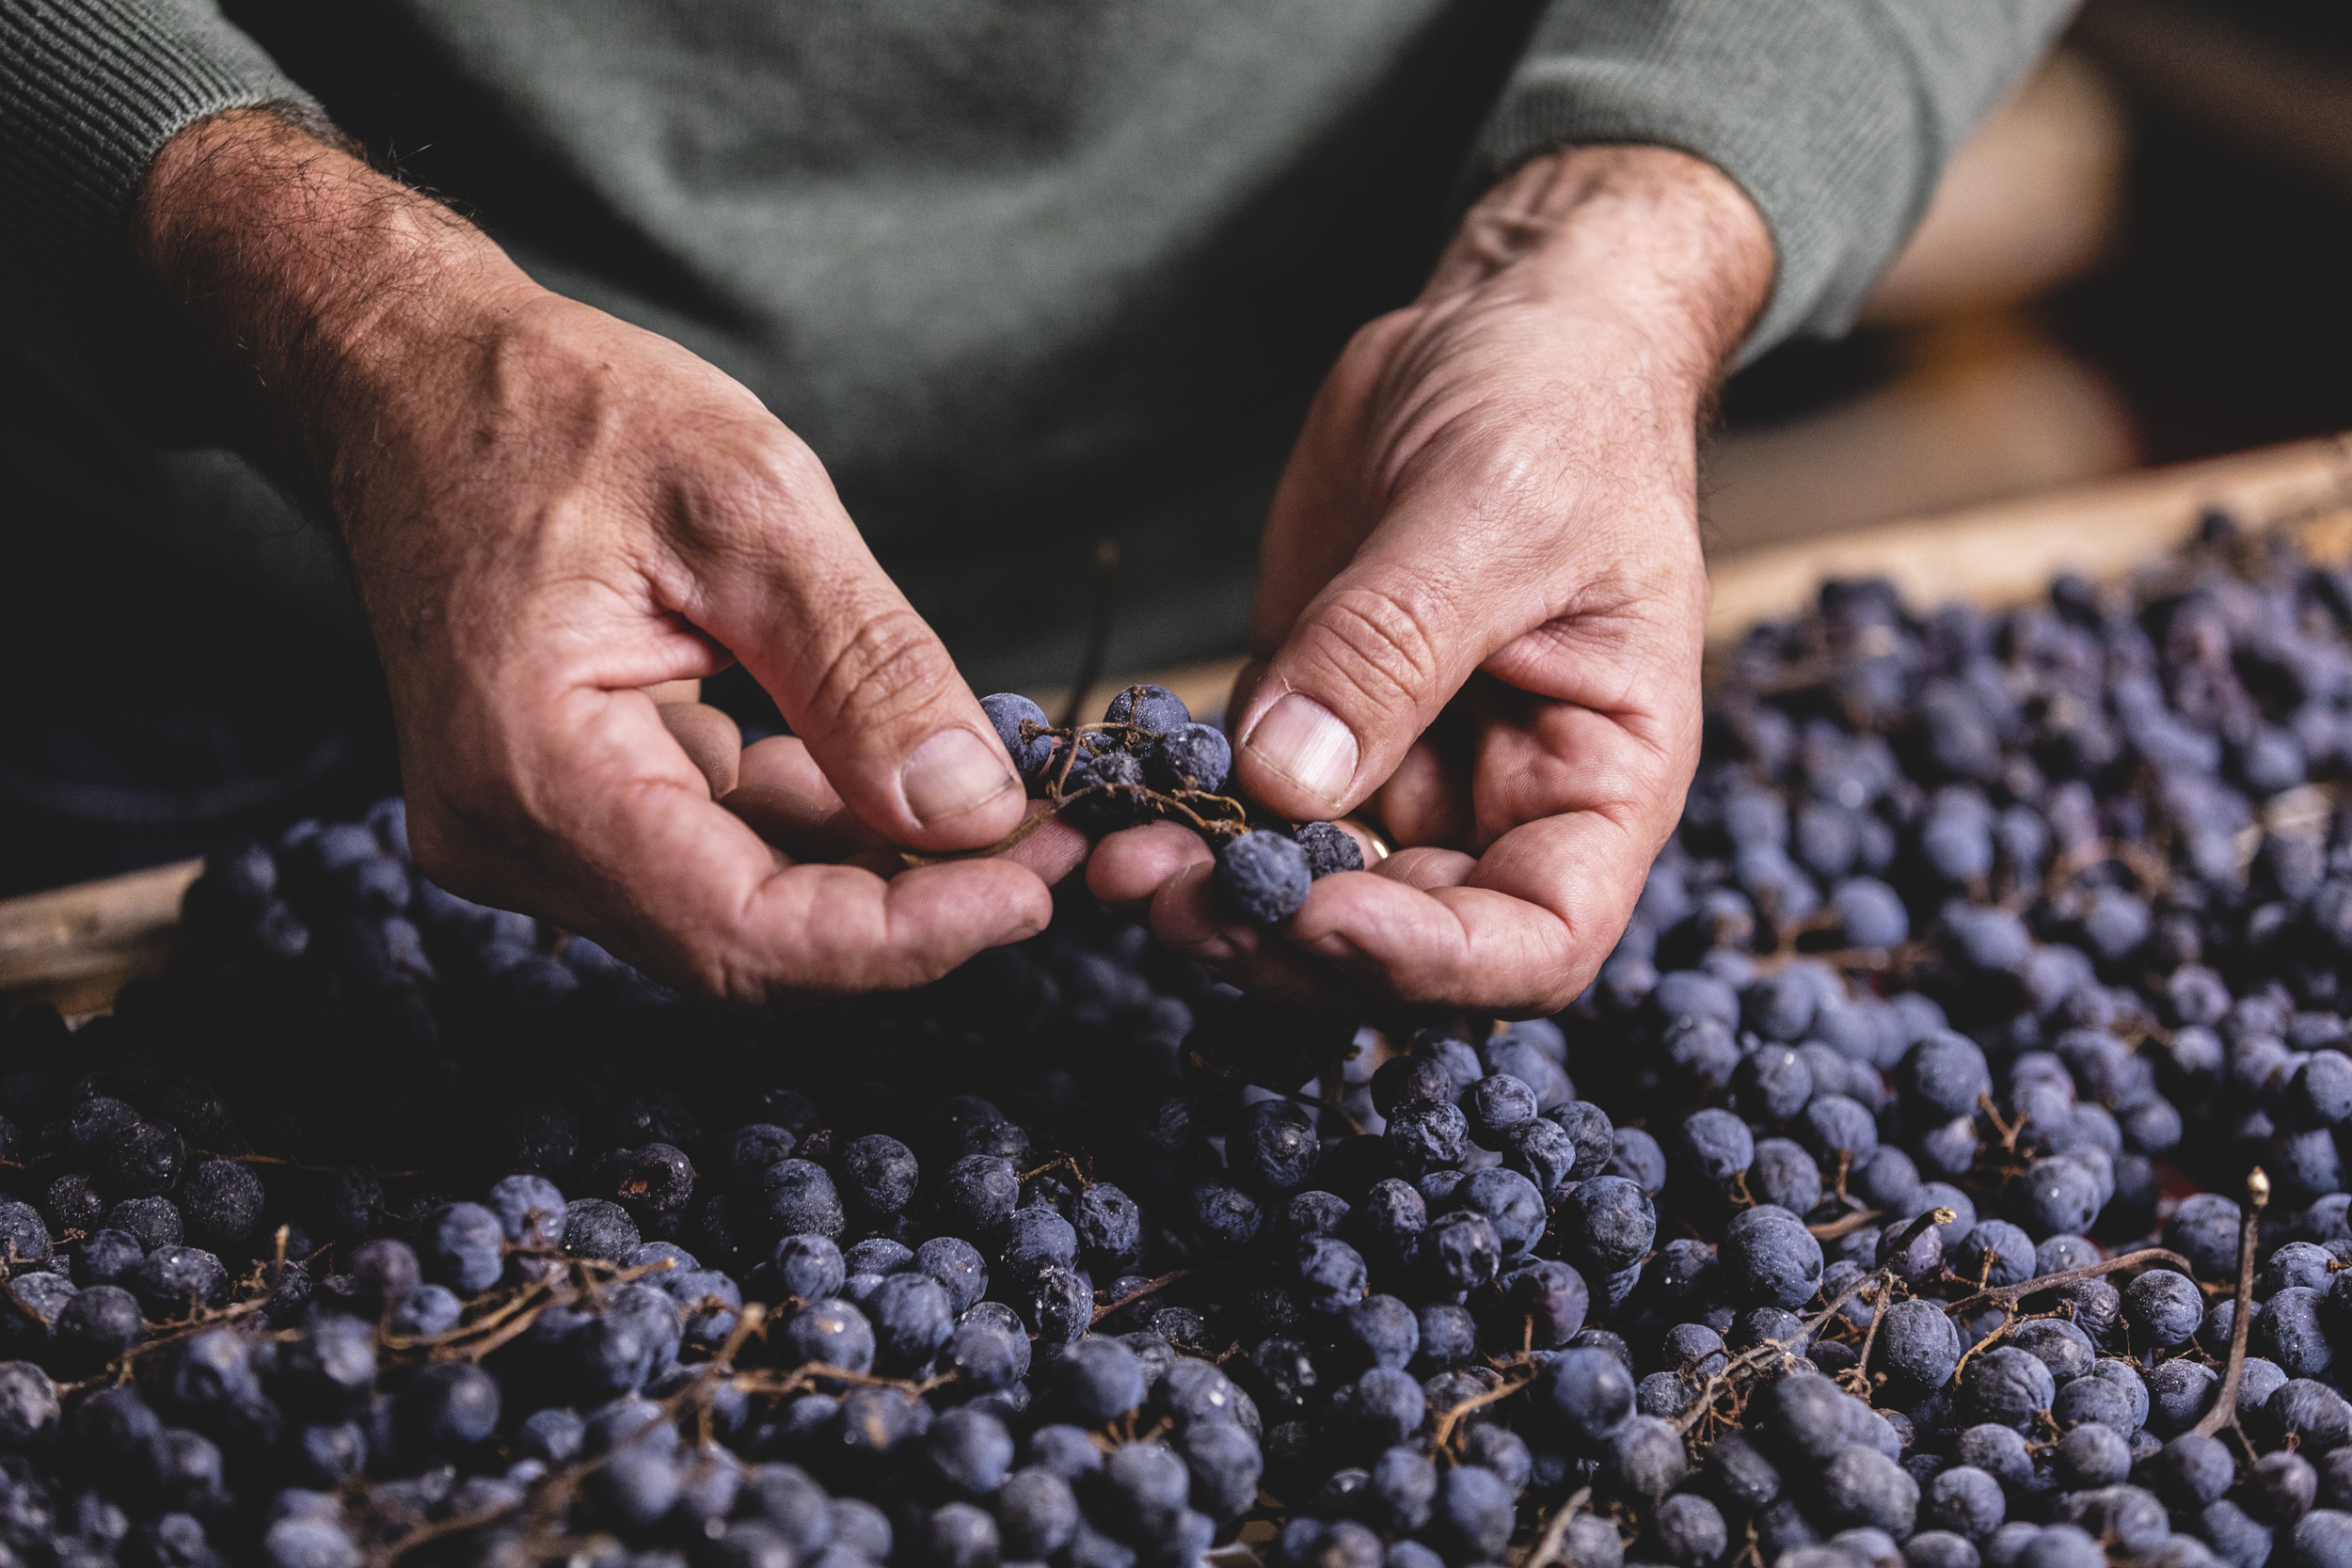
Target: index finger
(626,845)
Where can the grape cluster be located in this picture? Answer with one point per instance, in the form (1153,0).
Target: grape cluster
(1149,761)
(1899,1209)
(391,1226)
(1992,949)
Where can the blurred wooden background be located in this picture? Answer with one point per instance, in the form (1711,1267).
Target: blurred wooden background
(1964,395)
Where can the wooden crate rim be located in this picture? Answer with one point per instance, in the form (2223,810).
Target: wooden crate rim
(2006,552)
(77,945)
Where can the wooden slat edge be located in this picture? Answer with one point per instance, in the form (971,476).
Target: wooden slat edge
(1996,554)
(91,928)
(2008,551)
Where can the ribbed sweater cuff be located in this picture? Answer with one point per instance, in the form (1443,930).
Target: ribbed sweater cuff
(1836,119)
(90,91)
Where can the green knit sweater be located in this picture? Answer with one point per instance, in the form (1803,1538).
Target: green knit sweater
(1024,273)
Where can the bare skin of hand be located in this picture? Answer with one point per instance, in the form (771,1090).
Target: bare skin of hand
(1482,601)
(548,511)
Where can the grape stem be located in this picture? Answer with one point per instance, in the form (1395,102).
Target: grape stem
(1859,1374)
(1829,1230)
(2152,873)
(2006,1295)
(1152,1289)
(1759,1356)
(549,1496)
(1059,796)
(473,1340)
(2224,1411)
(775,1386)
(1060,1161)
(1451,1417)
(1028,825)
(1547,1548)
(297,1165)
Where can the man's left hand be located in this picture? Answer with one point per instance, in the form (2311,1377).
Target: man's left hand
(1482,601)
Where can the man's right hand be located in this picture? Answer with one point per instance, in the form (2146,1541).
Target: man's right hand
(548,511)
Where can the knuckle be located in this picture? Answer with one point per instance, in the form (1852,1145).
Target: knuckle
(759,489)
(1382,643)
(738,981)
(744,494)
(776,472)
(1509,483)
(888,667)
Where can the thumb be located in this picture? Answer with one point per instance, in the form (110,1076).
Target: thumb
(1373,658)
(865,682)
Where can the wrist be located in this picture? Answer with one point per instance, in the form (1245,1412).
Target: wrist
(1645,241)
(301,280)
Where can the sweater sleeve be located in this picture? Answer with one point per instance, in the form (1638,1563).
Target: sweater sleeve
(90,91)
(1837,117)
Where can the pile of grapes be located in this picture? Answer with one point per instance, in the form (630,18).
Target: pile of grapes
(1944,1171)
(1149,761)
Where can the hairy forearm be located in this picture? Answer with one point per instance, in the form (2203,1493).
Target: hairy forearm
(300,278)
(548,511)
(1645,236)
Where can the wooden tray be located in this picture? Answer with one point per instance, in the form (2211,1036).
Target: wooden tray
(75,946)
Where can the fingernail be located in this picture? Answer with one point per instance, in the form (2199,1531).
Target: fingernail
(953,772)
(1305,742)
